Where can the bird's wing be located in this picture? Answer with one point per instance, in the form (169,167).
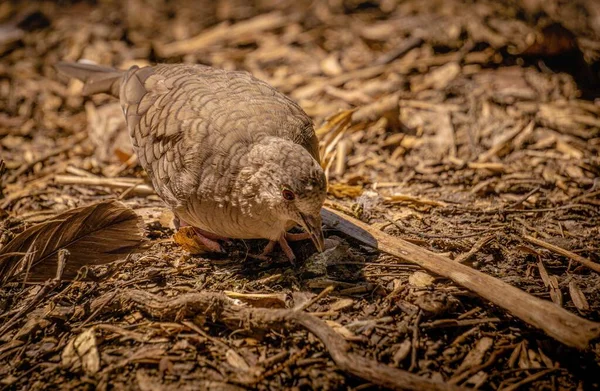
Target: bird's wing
(191,125)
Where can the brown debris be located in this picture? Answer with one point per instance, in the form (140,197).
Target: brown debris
(253,318)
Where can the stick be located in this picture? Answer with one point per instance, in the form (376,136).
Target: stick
(220,308)
(406,46)
(558,323)
(133,185)
(566,253)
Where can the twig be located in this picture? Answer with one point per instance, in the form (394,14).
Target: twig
(415,342)
(435,236)
(441,323)
(528,379)
(397,198)
(96,311)
(523,199)
(566,253)
(198,330)
(130,185)
(586,195)
(558,323)
(65,148)
(490,361)
(476,247)
(220,308)
(406,46)
(113,171)
(312,301)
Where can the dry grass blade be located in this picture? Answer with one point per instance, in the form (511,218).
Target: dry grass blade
(93,235)
(332,127)
(330,133)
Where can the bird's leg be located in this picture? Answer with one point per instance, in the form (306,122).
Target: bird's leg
(268,248)
(208,240)
(287,250)
(284,246)
(210,235)
(296,237)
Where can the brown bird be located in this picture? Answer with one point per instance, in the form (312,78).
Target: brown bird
(229,154)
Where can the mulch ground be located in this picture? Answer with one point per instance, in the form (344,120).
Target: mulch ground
(470,128)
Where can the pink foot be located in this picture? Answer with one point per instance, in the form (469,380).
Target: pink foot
(208,239)
(209,243)
(296,237)
(284,246)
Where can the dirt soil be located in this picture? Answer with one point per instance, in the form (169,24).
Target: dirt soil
(472,130)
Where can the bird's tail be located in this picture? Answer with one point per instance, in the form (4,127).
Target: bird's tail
(97,78)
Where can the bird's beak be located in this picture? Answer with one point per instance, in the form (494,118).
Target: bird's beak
(312,225)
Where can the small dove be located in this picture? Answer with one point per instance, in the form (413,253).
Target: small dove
(228,153)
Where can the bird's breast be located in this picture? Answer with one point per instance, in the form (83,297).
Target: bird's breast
(231,221)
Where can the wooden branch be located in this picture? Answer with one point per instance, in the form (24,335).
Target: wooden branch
(220,308)
(566,253)
(555,321)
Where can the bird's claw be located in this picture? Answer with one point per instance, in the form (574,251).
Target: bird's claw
(284,246)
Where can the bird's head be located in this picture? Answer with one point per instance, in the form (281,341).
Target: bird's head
(293,185)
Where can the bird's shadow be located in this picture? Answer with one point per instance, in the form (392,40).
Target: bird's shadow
(341,264)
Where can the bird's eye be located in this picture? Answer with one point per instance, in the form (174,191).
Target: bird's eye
(288,195)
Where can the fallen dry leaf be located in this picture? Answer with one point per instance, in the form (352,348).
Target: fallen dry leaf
(476,355)
(186,238)
(236,361)
(94,235)
(342,330)
(421,279)
(266,300)
(402,352)
(82,353)
(578,297)
(341,304)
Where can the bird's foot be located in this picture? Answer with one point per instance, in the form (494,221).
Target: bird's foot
(268,248)
(208,240)
(212,236)
(284,246)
